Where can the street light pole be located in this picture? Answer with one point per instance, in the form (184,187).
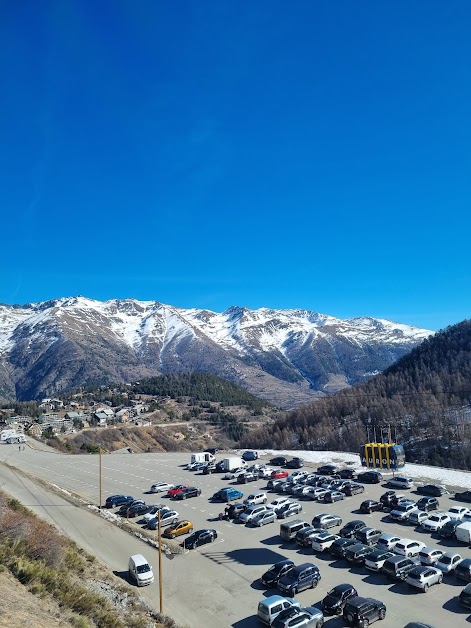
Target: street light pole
(99,506)
(161,599)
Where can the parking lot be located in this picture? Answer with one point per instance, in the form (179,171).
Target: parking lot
(224,576)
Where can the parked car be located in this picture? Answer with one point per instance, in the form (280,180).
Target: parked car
(315,493)
(357,553)
(401,512)
(435,522)
(274,483)
(256,498)
(448,561)
(463,570)
(248,476)
(325,521)
(250,455)
(465,596)
(464,496)
(168,517)
(370,505)
(288,510)
(301,577)
(448,531)
(424,577)
(267,516)
(362,611)
(305,535)
(340,546)
(323,541)
(352,489)
(333,496)
(429,555)
(161,487)
(200,537)
(336,598)
(375,560)
(190,491)
(295,463)
(327,469)
(278,461)
(236,509)
(251,512)
(397,567)
(278,570)
(269,608)
(173,492)
(122,511)
(118,500)
(368,536)
(177,529)
(431,489)
(154,510)
(458,512)
(427,504)
(370,477)
(278,503)
(347,474)
(137,510)
(227,495)
(349,530)
(408,547)
(279,475)
(387,498)
(309,617)
(400,481)
(234,473)
(416,517)
(195,466)
(387,542)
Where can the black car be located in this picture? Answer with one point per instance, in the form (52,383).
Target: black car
(124,508)
(118,500)
(137,510)
(427,503)
(301,577)
(209,468)
(371,505)
(388,498)
(357,553)
(243,478)
(295,463)
(370,477)
(431,489)
(305,535)
(348,531)
(289,510)
(340,546)
(361,611)
(278,461)
(352,489)
(465,496)
(200,537)
(190,491)
(327,469)
(276,571)
(336,599)
(347,474)
(448,531)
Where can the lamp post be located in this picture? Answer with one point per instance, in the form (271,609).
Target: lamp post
(99,503)
(161,599)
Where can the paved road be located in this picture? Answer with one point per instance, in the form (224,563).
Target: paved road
(216,585)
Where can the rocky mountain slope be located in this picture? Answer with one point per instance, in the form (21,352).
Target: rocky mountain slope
(285,356)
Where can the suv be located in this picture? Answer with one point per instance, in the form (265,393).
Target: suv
(256,498)
(400,481)
(295,463)
(326,521)
(227,495)
(427,503)
(397,567)
(249,455)
(401,512)
(248,476)
(277,571)
(305,576)
(335,600)
(370,505)
(351,528)
(361,611)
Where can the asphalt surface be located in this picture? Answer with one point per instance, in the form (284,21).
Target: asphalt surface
(217,585)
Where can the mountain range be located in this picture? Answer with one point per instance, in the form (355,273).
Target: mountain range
(287,357)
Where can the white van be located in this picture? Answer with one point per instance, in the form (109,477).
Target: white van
(463,532)
(140,571)
(5,435)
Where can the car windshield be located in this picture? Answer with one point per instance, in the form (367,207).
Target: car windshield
(143,568)
(446,560)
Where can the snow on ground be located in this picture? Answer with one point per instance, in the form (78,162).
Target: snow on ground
(422,473)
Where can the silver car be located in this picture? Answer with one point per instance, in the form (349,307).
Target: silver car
(268,516)
(423,577)
(448,561)
(430,555)
(417,517)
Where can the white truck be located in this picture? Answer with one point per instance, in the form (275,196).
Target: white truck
(5,435)
(205,456)
(16,438)
(463,532)
(233,462)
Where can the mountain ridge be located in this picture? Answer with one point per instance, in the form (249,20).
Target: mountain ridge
(285,356)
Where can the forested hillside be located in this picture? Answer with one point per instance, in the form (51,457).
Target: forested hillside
(425,397)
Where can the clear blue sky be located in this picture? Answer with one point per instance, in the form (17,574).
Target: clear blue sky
(266,153)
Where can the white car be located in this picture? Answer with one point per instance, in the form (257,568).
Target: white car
(160,487)
(316,492)
(417,517)
(436,521)
(448,561)
(408,548)
(166,518)
(233,475)
(277,503)
(302,490)
(458,512)
(265,472)
(400,481)
(297,475)
(256,498)
(153,513)
(430,555)
(323,541)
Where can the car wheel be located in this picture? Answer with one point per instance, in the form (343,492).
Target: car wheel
(320,623)
(382,614)
(212,539)
(440,579)
(426,587)
(350,618)
(366,622)
(172,536)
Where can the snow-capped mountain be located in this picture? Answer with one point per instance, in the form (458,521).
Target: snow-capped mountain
(285,356)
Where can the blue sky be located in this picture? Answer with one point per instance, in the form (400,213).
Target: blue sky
(262,154)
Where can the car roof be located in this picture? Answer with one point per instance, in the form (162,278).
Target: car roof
(343,587)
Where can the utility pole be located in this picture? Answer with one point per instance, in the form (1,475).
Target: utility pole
(99,506)
(161,599)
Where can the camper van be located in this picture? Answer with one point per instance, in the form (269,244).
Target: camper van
(5,435)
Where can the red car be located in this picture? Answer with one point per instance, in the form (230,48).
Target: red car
(173,492)
(279,475)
